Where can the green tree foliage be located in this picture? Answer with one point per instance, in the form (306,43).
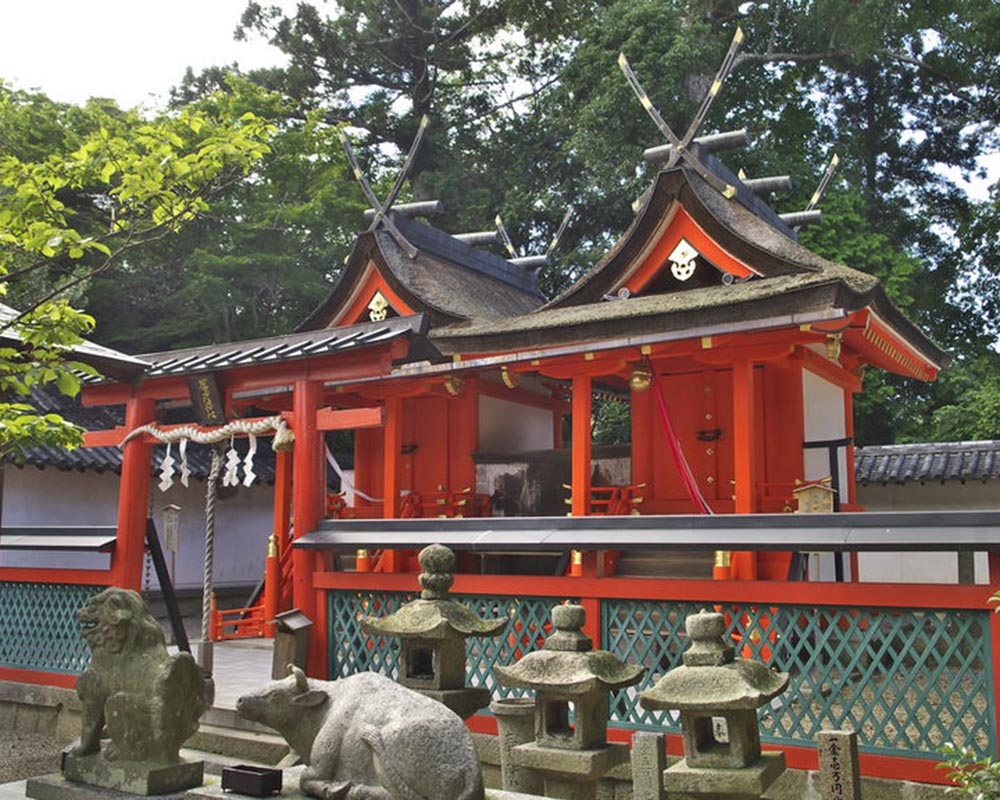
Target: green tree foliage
(81,188)
(263,256)
(530,113)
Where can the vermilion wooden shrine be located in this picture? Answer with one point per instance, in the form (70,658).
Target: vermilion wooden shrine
(707,314)
(738,349)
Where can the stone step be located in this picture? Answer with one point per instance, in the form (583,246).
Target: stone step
(220,717)
(244,746)
(216,762)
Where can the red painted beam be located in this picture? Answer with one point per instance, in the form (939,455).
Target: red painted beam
(330,419)
(107,438)
(88,577)
(827,369)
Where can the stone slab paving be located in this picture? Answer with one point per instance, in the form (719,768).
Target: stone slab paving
(241,665)
(12,791)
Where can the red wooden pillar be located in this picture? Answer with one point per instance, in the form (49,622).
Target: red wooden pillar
(391,457)
(309,488)
(133,499)
(642,439)
(463,437)
(744,564)
(282,523)
(282,499)
(581,446)
(392,560)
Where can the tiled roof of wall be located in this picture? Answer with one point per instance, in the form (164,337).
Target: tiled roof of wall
(946,461)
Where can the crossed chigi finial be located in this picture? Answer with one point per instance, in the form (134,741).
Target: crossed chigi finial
(680,150)
(532,261)
(382,209)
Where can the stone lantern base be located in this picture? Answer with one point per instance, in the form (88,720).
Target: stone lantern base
(570,774)
(713,783)
(464,702)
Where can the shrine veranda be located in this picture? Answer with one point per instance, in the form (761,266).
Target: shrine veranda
(739,352)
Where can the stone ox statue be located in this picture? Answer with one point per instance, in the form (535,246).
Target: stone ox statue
(365,737)
(149,700)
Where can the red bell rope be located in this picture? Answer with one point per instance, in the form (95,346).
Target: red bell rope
(687,477)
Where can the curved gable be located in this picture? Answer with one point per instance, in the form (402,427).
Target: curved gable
(727,238)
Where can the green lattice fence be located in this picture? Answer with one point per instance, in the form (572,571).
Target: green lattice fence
(907,680)
(38,629)
(351,650)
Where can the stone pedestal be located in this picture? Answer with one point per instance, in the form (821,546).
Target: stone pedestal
(570,774)
(464,702)
(516,726)
(134,777)
(712,783)
(56,787)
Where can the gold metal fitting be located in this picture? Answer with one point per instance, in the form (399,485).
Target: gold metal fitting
(510,379)
(723,558)
(577,556)
(833,345)
(361,553)
(641,378)
(272,546)
(454,385)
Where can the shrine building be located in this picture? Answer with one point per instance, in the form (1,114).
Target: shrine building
(738,352)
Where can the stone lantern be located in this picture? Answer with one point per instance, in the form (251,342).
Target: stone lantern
(571,682)
(718,696)
(432,631)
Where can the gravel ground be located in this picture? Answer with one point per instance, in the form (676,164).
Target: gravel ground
(24,755)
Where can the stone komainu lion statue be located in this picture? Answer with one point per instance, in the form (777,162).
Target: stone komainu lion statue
(149,700)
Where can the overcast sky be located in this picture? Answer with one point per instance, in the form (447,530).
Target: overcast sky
(131,50)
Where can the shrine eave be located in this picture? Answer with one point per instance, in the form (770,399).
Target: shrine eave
(789,300)
(745,235)
(276,349)
(448,280)
(112,363)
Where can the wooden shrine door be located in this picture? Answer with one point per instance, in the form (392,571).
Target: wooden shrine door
(701,408)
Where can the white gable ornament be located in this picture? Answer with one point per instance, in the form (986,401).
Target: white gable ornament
(682,260)
(378,308)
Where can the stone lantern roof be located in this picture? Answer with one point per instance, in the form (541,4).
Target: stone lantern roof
(567,662)
(710,677)
(434,615)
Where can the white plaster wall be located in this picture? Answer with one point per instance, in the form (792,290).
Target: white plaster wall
(33,496)
(823,418)
(506,427)
(949,496)
(924,567)
(52,497)
(243,523)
